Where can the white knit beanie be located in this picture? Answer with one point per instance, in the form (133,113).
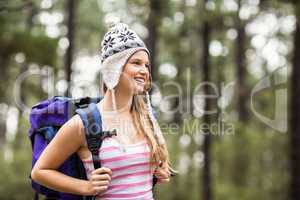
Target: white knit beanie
(118,44)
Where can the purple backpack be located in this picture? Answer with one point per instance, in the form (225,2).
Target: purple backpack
(46,118)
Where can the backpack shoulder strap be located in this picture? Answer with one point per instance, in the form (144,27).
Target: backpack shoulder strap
(92,122)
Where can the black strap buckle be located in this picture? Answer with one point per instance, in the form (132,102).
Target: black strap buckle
(95,141)
(106,134)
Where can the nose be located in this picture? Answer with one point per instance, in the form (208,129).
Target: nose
(144,70)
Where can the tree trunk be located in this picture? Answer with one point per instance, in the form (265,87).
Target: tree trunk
(180,78)
(241,161)
(241,68)
(295,114)
(70,9)
(153,24)
(206,30)
(4,61)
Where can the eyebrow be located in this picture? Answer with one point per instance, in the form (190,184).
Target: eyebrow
(139,60)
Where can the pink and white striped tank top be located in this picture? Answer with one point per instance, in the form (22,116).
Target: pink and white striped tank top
(131,170)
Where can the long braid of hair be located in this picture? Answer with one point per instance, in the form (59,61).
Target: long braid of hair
(154,122)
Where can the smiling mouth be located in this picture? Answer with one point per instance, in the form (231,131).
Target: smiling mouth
(140,81)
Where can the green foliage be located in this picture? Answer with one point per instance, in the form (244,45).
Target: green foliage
(266,167)
(37,48)
(14,178)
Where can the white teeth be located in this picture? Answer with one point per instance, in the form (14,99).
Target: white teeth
(140,80)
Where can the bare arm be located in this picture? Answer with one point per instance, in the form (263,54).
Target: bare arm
(67,141)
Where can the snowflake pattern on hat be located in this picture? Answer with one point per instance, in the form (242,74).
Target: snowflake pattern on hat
(126,36)
(109,42)
(117,39)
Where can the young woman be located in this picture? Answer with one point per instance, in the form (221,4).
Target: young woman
(139,149)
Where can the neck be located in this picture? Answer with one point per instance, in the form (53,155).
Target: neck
(123,101)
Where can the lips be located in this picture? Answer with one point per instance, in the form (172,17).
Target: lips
(140,80)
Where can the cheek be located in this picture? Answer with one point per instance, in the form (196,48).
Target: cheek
(131,74)
(129,71)
(127,76)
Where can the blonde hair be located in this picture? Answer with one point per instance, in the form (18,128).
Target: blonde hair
(143,124)
(142,121)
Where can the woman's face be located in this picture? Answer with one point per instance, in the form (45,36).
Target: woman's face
(135,76)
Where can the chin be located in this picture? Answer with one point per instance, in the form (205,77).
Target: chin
(139,91)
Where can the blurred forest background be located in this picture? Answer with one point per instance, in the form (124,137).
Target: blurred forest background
(248,50)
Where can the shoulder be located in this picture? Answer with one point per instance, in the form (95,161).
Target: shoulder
(74,129)
(74,123)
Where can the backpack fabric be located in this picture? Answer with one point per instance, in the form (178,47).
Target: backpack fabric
(46,118)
